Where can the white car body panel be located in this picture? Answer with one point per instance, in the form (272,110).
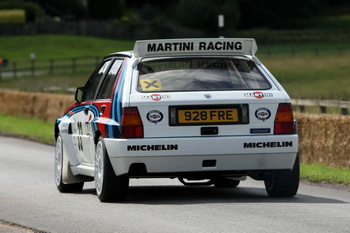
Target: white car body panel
(177,149)
(266,152)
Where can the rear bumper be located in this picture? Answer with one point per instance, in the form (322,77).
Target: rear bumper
(204,154)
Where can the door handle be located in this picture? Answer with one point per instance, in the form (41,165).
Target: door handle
(103,109)
(86,110)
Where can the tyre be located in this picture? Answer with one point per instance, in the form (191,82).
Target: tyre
(222,182)
(109,187)
(62,169)
(283,183)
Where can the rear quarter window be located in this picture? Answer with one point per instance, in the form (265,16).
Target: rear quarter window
(200,74)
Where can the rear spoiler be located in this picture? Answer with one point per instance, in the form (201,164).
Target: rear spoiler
(214,46)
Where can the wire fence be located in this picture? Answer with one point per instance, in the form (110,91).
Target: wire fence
(34,67)
(73,65)
(292,50)
(322,106)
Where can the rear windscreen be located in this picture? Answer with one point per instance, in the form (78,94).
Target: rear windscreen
(199,74)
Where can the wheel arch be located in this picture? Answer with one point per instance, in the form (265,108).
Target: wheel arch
(98,134)
(56,131)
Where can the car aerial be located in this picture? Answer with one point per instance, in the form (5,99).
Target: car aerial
(205,111)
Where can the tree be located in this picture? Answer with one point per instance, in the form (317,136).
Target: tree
(33,10)
(106,9)
(66,9)
(278,14)
(203,14)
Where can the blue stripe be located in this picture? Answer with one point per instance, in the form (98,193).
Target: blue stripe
(81,108)
(117,104)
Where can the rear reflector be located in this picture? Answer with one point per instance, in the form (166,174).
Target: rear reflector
(131,123)
(284,121)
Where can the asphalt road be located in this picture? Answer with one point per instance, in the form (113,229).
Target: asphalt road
(28,197)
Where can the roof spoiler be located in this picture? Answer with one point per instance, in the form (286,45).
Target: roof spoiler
(214,46)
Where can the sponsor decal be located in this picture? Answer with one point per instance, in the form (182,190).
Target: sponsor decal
(189,46)
(192,46)
(152,147)
(260,130)
(151,84)
(156,97)
(64,127)
(267,144)
(154,116)
(258,94)
(262,114)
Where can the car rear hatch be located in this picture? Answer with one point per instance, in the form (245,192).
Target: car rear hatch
(204,96)
(209,113)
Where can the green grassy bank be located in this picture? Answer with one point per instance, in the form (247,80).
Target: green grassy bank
(306,75)
(32,129)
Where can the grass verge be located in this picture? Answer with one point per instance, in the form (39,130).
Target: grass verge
(41,131)
(318,173)
(32,129)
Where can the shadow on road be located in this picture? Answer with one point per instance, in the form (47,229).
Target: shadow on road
(175,195)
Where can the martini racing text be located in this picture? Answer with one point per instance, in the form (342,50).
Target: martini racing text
(189,46)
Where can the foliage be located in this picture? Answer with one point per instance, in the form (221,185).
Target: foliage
(12,16)
(105,9)
(197,14)
(33,11)
(203,14)
(66,9)
(278,14)
(159,3)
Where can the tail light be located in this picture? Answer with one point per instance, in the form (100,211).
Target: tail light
(131,123)
(284,121)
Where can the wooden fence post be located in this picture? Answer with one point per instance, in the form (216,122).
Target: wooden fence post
(301,106)
(323,108)
(344,111)
(323,104)
(343,108)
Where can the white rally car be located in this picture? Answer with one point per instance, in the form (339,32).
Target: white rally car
(205,111)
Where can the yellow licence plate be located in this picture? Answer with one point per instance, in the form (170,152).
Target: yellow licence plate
(197,116)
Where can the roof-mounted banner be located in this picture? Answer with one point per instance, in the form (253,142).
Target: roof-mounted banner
(214,46)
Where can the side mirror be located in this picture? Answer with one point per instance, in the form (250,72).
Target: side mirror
(80,94)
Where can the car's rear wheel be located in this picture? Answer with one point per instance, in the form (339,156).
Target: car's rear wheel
(222,182)
(283,183)
(109,187)
(61,167)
